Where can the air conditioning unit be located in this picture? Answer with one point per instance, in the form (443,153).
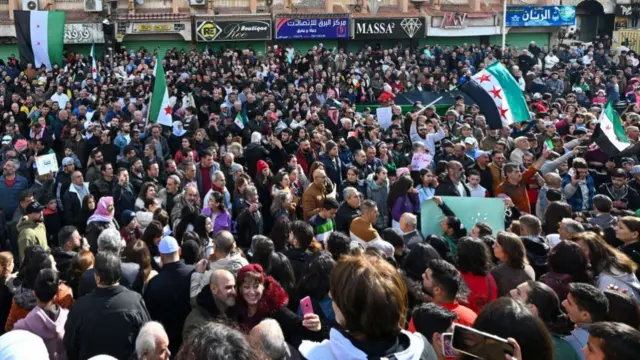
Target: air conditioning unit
(92,5)
(197,2)
(30,5)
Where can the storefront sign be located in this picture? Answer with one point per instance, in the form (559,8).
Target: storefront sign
(231,30)
(453,21)
(621,22)
(156,28)
(300,29)
(388,28)
(83,34)
(623,10)
(524,16)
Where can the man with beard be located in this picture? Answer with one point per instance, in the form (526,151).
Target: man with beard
(213,302)
(69,242)
(305,156)
(624,197)
(31,229)
(109,151)
(441,281)
(360,163)
(105,184)
(188,197)
(498,160)
(153,173)
(93,172)
(73,199)
(452,184)
(137,174)
(286,138)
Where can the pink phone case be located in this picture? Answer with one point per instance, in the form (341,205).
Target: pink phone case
(305,305)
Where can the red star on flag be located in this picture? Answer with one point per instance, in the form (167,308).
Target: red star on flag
(608,127)
(94,70)
(483,78)
(503,111)
(496,92)
(167,110)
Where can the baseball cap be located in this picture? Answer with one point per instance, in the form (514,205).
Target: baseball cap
(168,245)
(34,207)
(67,161)
(471,141)
(127,217)
(627,160)
(6,139)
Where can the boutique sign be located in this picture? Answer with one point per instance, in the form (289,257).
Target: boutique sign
(388,28)
(312,28)
(232,30)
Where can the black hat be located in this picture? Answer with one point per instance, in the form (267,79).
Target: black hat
(626,160)
(447,143)
(34,207)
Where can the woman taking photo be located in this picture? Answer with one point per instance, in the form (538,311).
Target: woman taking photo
(403,198)
(217,212)
(474,263)
(609,266)
(261,297)
(514,268)
(370,303)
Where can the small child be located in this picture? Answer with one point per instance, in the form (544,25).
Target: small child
(68,152)
(52,220)
(476,189)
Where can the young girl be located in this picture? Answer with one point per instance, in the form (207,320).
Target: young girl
(216,210)
(428,185)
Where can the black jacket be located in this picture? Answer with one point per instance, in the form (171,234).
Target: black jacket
(630,195)
(344,216)
(132,278)
(249,224)
(412,238)
(253,153)
(298,258)
(106,321)
(167,298)
(204,311)
(63,261)
(101,187)
(447,188)
(124,198)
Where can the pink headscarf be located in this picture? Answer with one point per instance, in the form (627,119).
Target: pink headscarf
(102,214)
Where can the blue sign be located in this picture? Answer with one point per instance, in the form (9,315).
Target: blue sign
(301,29)
(523,16)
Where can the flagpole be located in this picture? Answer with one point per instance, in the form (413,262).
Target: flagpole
(504,26)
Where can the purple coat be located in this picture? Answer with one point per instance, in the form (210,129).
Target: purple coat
(405,204)
(51,332)
(221,222)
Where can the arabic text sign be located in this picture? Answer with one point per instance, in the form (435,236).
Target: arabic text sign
(300,29)
(46,164)
(523,16)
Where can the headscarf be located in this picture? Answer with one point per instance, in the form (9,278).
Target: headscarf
(102,214)
(177,129)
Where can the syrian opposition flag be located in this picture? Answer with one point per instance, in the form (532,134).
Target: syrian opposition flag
(498,95)
(40,37)
(160,111)
(94,68)
(609,135)
(241,120)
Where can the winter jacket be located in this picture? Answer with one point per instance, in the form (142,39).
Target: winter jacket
(205,310)
(298,258)
(24,300)
(131,277)
(63,261)
(344,217)
(405,346)
(537,253)
(167,298)
(312,200)
(231,263)
(406,203)
(94,229)
(50,330)
(249,224)
(73,205)
(334,170)
(106,322)
(31,233)
(379,194)
(215,167)
(624,281)
(101,187)
(124,198)
(447,188)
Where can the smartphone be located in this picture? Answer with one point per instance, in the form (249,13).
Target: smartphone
(447,346)
(478,344)
(305,305)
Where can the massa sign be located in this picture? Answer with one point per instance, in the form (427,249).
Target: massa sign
(389,28)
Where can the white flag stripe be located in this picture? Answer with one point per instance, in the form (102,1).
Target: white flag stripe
(94,69)
(163,117)
(606,125)
(39,25)
(489,83)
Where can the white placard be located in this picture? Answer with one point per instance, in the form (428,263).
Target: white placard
(47,164)
(420,161)
(384,116)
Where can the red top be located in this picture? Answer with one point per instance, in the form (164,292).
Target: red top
(483,290)
(466,316)
(10,182)
(206,179)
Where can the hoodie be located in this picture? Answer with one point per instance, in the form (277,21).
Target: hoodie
(406,346)
(50,327)
(31,233)
(379,194)
(624,281)
(231,263)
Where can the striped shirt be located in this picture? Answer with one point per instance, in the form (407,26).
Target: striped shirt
(322,228)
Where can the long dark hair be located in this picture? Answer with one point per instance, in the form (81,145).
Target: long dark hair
(568,258)
(473,256)
(548,305)
(199,227)
(399,188)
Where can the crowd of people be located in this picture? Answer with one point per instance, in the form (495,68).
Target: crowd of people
(277,218)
